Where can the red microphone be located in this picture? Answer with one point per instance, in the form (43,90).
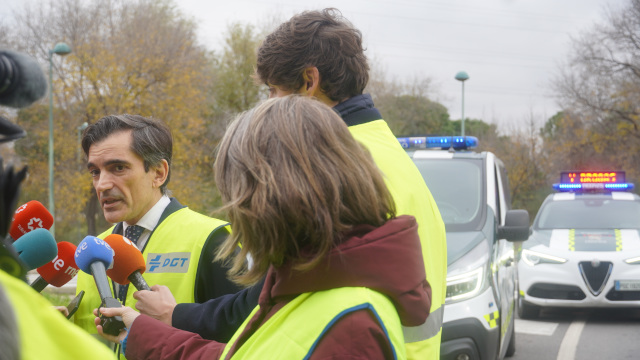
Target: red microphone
(28,217)
(128,262)
(58,271)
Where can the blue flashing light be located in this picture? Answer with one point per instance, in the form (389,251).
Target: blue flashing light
(625,186)
(567,187)
(439,142)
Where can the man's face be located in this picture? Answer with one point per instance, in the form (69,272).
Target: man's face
(125,191)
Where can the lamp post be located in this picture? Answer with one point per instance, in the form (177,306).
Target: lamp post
(60,49)
(462,77)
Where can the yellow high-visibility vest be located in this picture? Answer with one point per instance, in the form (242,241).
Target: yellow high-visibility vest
(412,197)
(293,331)
(43,332)
(171,257)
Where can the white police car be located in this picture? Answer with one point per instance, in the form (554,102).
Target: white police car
(472,194)
(584,247)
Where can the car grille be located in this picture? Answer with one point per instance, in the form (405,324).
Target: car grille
(555,291)
(595,274)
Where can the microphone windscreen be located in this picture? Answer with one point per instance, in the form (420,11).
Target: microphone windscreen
(26,80)
(36,248)
(127,258)
(92,249)
(28,217)
(62,268)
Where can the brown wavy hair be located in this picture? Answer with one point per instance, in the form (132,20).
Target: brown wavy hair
(323,39)
(292,180)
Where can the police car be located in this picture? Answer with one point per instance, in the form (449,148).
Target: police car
(472,194)
(584,247)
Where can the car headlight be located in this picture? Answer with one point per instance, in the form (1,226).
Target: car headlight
(633,261)
(533,258)
(465,285)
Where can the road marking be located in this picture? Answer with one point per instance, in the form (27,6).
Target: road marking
(571,338)
(535,327)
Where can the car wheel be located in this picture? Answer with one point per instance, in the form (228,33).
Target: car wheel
(526,311)
(511,349)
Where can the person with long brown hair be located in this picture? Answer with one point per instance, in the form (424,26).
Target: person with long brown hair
(311,210)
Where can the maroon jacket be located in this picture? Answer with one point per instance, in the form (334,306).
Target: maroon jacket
(387,259)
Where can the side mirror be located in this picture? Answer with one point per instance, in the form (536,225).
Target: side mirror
(516,226)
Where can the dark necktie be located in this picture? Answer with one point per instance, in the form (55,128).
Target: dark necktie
(132,233)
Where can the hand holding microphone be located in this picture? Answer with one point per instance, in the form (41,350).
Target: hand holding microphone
(128,262)
(94,256)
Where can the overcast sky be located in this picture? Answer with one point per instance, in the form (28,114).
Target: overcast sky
(509,48)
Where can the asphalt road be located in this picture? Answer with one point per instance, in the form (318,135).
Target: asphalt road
(580,334)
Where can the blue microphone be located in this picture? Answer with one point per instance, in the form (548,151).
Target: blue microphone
(36,248)
(94,256)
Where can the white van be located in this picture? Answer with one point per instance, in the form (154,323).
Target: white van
(472,193)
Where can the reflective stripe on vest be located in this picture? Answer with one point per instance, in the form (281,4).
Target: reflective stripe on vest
(294,331)
(412,197)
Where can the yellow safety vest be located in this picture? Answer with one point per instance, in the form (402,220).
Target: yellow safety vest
(43,332)
(412,197)
(294,331)
(171,256)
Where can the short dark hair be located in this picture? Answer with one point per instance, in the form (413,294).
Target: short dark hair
(323,39)
(292,180)
(151,138)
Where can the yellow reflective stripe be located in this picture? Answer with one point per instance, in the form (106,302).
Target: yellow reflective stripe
(503,329)
(572,239)
(430,328)
(618,240)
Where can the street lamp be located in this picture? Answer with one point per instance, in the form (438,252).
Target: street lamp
(60,49)
(462,77)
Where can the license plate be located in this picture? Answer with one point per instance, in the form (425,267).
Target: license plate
(627,285)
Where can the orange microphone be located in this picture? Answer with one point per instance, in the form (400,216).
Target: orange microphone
(128,262)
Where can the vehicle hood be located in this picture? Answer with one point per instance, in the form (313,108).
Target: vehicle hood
(460,243)
(585,239)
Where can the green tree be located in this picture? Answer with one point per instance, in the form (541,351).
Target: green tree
(406,106)
(412,115)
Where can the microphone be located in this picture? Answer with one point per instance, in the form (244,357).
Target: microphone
(94,256)
(22,80)
(58,271)
(36,248)
(128,262)
(28,217)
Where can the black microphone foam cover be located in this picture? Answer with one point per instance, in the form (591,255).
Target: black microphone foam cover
(22,82)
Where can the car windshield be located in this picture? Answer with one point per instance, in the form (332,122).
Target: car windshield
(590,213)
(457,189)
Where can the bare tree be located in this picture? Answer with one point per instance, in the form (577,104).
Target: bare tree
(601,81)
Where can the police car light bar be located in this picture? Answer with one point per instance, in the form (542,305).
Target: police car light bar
(439,142)
(582,181)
